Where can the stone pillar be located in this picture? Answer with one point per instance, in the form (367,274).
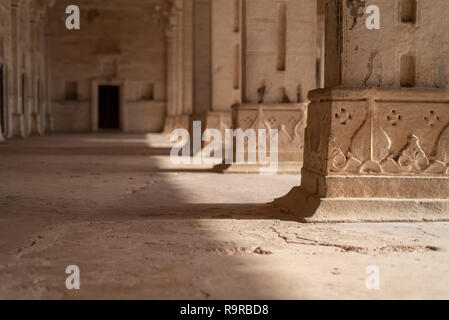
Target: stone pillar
(18,129)
(4,98)
(187,81)
(41,65)
(48,119)
(180,58)
(35,126)
(226,66)
(176,118)
(3,108)
(26,61)
(201,57)
(171,112)
(377,137)
(279,43)
(174,56)
(182,46)
(320,42)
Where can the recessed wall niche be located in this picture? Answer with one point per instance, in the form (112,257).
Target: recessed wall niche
(71,90)
(409,11)
(236,15)
(237,63)
(408,71)
(148,91)
(282,35)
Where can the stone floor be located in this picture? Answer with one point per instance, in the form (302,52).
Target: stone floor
(140,227)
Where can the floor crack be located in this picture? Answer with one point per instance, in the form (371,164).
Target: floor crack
(312,242)
(279,235)
(428,233)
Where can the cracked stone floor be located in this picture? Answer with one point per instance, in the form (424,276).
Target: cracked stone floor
(140,227)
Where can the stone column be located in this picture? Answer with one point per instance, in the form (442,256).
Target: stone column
(320,42)
(4,107)
(377,138)
(226,52)
(169,120)
(179,58)
(201,57)
(174,68)
(34,38)
(182,46)
(4,102)
(48,119)
(278,69)
(26,64)
(187,96)
(41,65)
(175,77)
(18,129)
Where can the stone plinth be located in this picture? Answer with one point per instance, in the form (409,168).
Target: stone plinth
(144,116)
(36,127)
(374,154)
(220,121)
(18,125)
(49,123)
(288,119)
(217,120)
(212,120)
(176,122)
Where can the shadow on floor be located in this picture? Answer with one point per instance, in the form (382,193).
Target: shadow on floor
(61,200)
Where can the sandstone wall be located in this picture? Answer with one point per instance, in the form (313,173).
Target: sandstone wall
(226,54)
(120,41)
(280,48)
(374,57)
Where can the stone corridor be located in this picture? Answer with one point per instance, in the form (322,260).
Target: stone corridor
(139,227)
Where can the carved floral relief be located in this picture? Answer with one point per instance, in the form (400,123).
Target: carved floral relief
(399,139)
(289,123)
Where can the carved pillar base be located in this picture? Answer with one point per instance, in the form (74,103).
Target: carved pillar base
(49,123)
(176,122)
(169,124)
(216,120)
(374,155)
(18,126)
(288,119)
(219,120)
(36,124)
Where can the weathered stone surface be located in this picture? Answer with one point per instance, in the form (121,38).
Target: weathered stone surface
(116,45)
(279,68)
(276,56)
(176,122)
(139,228)
(376,148)
(376,153)
(288,119)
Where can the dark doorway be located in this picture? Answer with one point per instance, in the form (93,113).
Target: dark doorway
(108,107)
(2,101)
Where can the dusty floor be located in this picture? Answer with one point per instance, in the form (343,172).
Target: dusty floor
(140,227)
